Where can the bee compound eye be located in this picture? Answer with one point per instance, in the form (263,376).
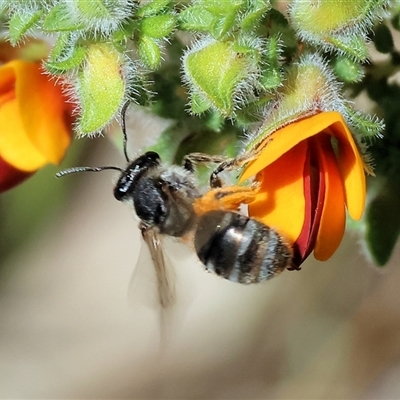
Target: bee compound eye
(134,174)
(153,157)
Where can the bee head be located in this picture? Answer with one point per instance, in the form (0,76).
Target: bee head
(129,178)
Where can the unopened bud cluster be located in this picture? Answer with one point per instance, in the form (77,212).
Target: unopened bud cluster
(240,52)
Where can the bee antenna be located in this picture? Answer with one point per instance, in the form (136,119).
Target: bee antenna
(85,169)
(123,127)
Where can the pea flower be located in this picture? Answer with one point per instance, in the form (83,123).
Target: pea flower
(309,172)
(35,121)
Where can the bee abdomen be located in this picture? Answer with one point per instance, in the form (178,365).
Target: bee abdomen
(239,248)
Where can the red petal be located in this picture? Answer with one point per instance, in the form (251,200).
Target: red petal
(314,193)
(10,176)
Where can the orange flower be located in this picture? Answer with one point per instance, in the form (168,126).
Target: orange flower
(309,172)
(35,121)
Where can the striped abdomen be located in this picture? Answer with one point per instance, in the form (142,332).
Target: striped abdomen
(239,248)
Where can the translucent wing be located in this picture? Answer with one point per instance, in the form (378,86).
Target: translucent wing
(153,286)
(165,277)
(153,280)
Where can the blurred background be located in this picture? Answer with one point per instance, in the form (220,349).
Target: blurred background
(71,326)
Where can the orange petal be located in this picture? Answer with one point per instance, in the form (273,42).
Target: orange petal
(280,201)
(7,81)
(351,166)
(282,140)
(332,224)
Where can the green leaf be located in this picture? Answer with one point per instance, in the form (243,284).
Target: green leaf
(20,23)
(223,25)
(254,13)
(62,66)
(195,18)
(353,46)
(368,125)
(94,8)
(58,19)
(383,222)
(152,8)
(199,104)
(158,26)
(63,46)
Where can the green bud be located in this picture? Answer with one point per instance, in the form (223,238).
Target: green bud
(20,23)
(348,70)
(339,25)
(149,52)
(271,78)
(218,74)
(100,93)
(158,26)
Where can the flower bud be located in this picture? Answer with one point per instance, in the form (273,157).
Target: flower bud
(221,74)
(340,25)
(100,87)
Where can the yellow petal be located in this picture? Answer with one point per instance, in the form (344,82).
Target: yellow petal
(43,110)
(280,202)
(32,117)
(15,148)
(332,223)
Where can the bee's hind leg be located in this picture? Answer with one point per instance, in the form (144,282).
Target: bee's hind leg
(224,164)
(226,198)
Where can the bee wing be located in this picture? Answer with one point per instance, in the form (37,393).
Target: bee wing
(153,282)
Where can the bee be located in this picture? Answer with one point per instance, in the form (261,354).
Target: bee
(167,200)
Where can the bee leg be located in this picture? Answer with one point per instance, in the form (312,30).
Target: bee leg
(227,198)
(224,163)
(230,164)
(190,160)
